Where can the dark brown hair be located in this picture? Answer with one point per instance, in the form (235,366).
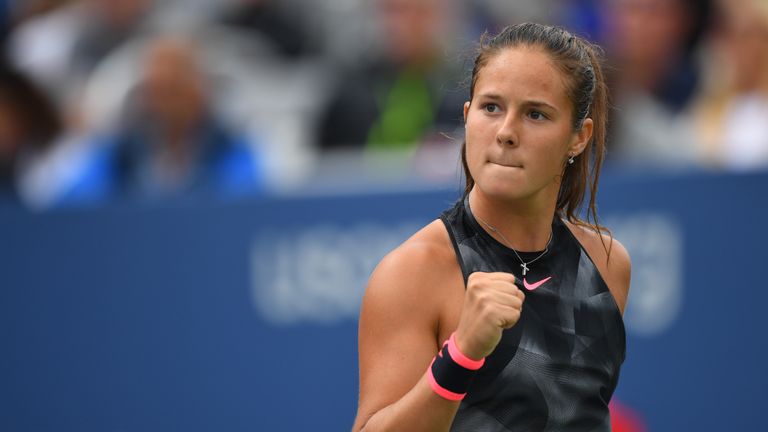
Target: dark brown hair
(580,63)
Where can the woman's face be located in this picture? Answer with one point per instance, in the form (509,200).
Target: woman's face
(519,126)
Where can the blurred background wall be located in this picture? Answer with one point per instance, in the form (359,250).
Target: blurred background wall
(193,194)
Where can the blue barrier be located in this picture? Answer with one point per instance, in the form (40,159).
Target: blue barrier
(237,316)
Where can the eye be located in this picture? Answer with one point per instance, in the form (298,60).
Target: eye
(491,108)
(537,115)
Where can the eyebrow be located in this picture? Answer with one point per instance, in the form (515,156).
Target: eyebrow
(531,103)
(540,104)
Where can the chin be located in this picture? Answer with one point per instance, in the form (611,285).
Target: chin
(503,190)
(514,188)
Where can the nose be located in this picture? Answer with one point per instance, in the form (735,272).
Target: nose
(507,132)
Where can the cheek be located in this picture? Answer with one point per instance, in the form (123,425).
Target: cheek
(551,148)
(476,137)
(475,157)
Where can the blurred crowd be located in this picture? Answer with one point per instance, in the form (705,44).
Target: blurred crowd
(155,99)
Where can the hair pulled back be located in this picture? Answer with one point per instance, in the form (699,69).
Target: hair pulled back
(580,64)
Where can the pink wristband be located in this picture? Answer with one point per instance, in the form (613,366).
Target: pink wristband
(460,358)
(440,390)
(451,372)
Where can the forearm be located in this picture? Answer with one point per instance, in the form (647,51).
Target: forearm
(419,410)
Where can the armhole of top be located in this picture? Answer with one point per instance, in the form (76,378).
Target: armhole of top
(456,251)
(589,257)
(616,308)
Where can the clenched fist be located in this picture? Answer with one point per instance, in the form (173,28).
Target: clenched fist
(492,303)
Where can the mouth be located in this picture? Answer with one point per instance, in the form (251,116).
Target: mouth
(507,165)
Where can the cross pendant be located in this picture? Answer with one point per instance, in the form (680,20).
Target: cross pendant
(525,268)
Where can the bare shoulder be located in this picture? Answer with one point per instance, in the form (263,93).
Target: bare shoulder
(610,257)
(400,317)
(411,272)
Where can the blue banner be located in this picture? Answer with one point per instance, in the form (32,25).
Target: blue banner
(242,315)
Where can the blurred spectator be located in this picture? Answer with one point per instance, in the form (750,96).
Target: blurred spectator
(171,142)
(653,76)
(61,47)
(24,10)
(583,17)
(493,15)
(271,23)
(14,12)
(29,124)
(732,111)
(402,95)
(5,23)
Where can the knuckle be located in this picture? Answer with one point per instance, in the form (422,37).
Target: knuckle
(513,317)
(476,298)
(476,282)
(474,276)
(474,289)
(482,297)
(486,310)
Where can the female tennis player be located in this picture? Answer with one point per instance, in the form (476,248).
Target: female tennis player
(506,313)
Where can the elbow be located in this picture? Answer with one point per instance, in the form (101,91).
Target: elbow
(362,427)
(363,424)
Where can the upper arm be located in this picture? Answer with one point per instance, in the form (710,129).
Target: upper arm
(398,326)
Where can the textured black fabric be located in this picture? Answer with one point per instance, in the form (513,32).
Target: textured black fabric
(557,368)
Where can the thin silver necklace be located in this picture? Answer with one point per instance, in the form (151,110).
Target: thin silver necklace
(523,264)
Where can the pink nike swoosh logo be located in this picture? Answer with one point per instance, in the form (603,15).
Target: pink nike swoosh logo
(533,286)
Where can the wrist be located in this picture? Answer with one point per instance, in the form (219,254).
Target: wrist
(472,362)
(465,348)
(451,372)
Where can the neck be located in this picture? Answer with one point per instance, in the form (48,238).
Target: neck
(526,226)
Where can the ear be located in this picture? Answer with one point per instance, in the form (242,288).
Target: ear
(466,110)
(581,137)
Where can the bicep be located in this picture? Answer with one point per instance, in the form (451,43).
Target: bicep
(397,335)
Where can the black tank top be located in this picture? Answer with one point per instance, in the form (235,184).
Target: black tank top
(557,368)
